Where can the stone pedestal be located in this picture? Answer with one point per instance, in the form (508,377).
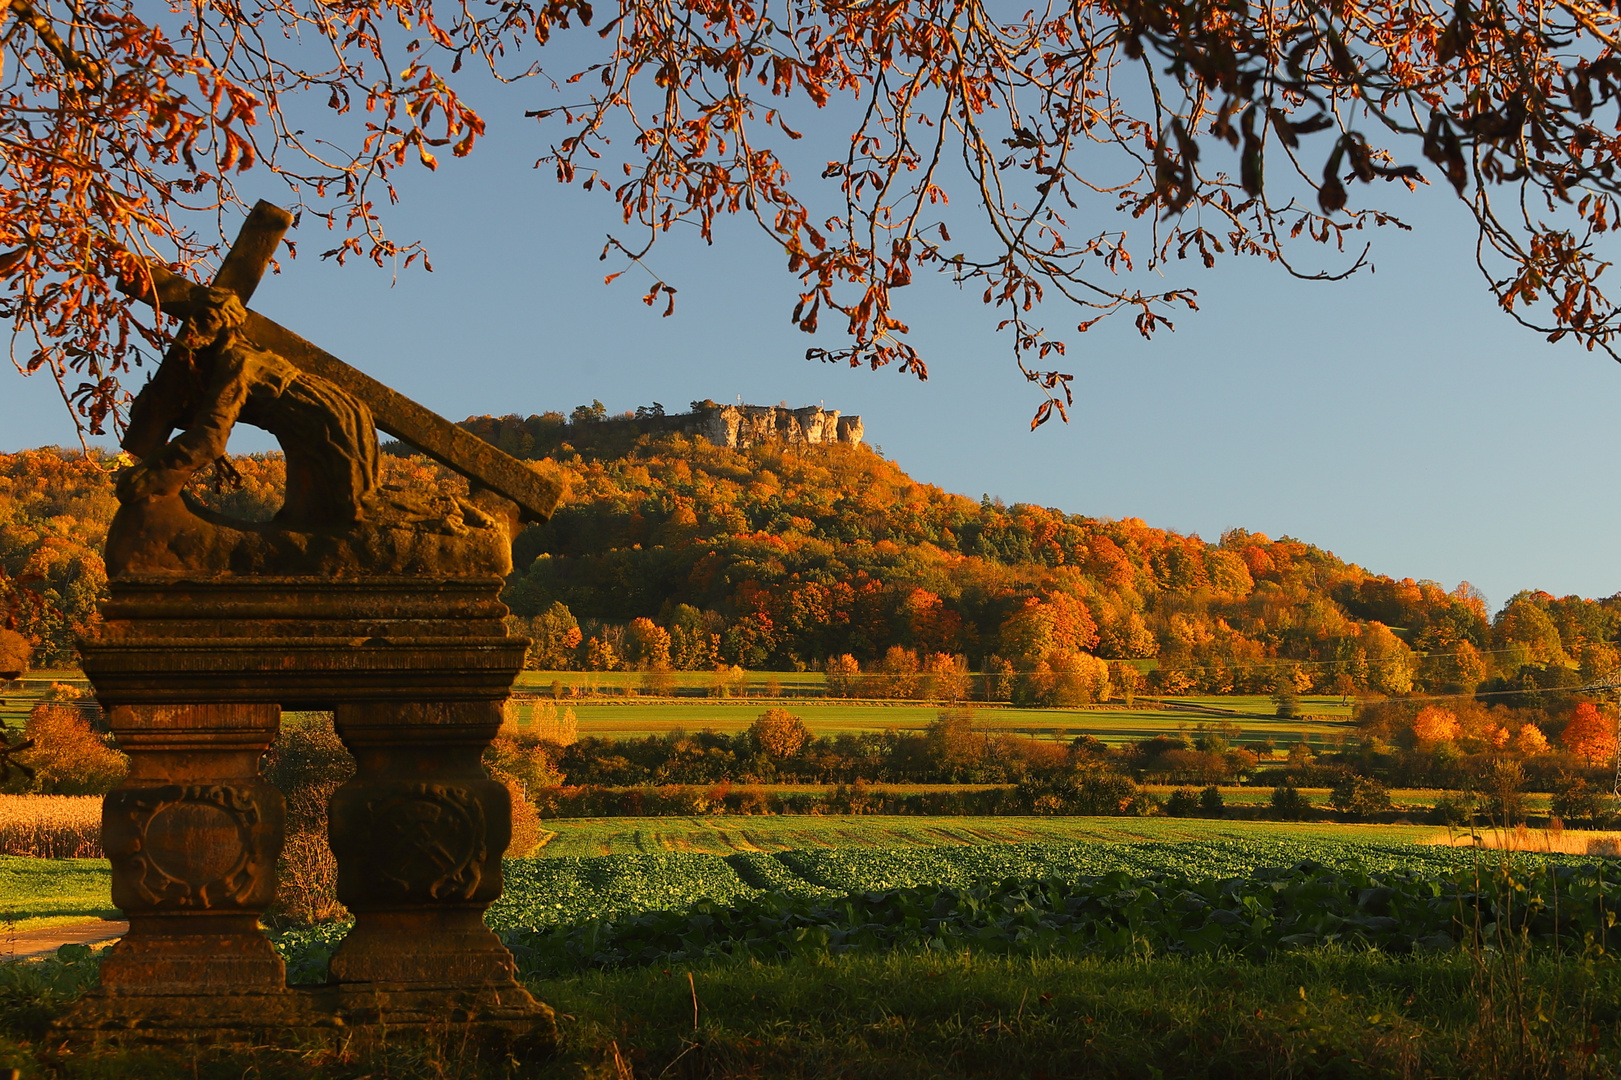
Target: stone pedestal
(194,674)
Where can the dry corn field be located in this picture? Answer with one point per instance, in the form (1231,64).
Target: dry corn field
(51,826)
(1565,841)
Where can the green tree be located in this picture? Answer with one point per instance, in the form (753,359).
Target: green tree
(1288,803)
(1360,796)
(1285,698)
(554,638)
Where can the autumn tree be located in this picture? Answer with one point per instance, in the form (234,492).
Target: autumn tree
(647,645)
(779,733)
(945,677)
(15,652)
(1207,130)
(554,638)
(843,676)
(1128,678)
(1525,622)
(1589,735)
(1434,724)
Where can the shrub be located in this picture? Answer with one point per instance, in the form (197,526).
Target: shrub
(1090,792)
(1288,803)
(528,757)
(1211,804)
(1360,796)
(526,831)
(67,757)
(308,762)
(1455,808)
(1182,803)
(1574,799)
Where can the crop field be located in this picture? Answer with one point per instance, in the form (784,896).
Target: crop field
(565,889)
(576,837)
(591,868)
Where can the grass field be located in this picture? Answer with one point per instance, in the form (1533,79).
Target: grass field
(613,715)
(51,892)
(634,719)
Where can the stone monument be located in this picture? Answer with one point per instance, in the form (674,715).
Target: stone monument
(379,604)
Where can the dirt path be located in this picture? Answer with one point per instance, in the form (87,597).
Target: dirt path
(27,944)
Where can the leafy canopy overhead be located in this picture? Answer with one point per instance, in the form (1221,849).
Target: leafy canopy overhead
(1186,128)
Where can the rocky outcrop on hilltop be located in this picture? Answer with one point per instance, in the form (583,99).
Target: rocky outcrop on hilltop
(741,426)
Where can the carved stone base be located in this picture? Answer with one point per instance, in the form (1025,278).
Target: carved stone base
(505,1018)
(436,948)
(139,1015)
(216,955)
(194,674)
(502,1023)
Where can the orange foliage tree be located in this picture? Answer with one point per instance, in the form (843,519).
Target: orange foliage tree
(1224,128)
(1590,735)
(1434,724)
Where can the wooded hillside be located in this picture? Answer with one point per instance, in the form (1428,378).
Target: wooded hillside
(669,551)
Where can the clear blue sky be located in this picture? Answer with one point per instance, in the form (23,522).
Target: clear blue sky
(1397,419)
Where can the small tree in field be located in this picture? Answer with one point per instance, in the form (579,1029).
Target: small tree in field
(779,733)
(1360,796)
(843,676)
(1182,803)
(1128,678)
(1288,803)
(1285,698)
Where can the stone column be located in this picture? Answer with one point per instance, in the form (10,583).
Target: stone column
(193,834)
(418,834)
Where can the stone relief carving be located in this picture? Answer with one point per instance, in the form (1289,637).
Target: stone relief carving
(188,846)
(429,841)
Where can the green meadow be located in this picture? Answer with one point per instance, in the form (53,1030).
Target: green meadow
(610,705)
(637,718)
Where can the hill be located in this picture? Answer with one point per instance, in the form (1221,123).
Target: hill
(670,549)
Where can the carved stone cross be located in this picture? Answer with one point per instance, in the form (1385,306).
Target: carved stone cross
(394,413)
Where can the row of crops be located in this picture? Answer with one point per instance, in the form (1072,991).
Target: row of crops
(1250,896)
(1251,916)
(568,890)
